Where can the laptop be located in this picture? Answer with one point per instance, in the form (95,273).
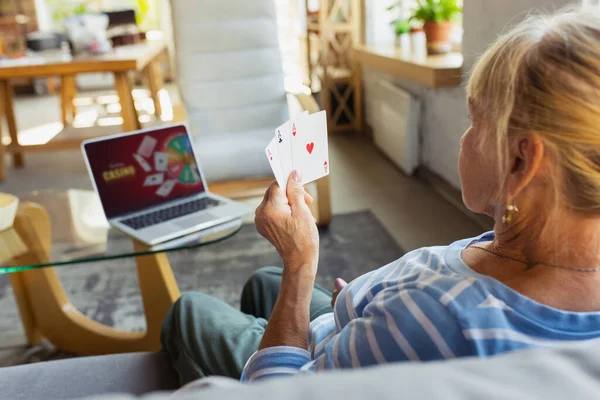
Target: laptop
(151,185)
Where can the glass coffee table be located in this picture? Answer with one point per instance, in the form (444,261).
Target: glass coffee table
(58,228)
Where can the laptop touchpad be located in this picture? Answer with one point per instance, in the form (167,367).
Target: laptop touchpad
(189,222)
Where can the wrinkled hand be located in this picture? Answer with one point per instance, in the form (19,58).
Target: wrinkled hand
(339,284)
(289,225)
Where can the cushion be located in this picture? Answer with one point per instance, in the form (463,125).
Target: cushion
(231,81)
(134,373)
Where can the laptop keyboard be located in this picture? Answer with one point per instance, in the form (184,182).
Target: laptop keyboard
(166,214)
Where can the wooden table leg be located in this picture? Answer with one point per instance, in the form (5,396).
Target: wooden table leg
(48,313)
(323,202)
(9,111)
(2,153)
(72,94)
(14,247)
(64,103)
(68,91)
(155,84)
(32,330)
(158,288)
(131,120)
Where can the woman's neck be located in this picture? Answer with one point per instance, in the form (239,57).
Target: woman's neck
(573,243)
(562,237)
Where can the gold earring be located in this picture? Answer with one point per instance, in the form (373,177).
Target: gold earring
(509,213)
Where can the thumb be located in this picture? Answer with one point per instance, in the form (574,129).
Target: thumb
(295,191)
(339,283)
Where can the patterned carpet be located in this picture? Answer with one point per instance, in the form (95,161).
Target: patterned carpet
(107,292)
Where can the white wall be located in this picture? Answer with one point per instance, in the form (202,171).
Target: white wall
(43,16)
(378,20)
(445,117)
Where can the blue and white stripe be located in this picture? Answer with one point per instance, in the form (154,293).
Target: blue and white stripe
(426,306)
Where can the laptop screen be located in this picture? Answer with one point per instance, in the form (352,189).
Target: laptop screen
(142,170)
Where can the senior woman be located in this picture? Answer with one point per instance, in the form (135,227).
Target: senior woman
(531,160)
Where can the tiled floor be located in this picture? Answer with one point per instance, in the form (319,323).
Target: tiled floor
(361,179)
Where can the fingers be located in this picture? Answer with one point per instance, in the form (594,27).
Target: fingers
(339,283)
(296,194)
(334,297)
(308,199)
(274,194)
(295,191)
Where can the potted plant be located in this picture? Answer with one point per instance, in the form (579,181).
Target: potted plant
(437,17)
(402,31)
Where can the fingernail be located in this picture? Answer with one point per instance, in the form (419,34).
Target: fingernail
(297,176)
(339,283)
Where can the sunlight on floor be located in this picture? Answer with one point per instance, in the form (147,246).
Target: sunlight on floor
(85,119)
(101,111)
(41,134)
(110,121)
(166,104)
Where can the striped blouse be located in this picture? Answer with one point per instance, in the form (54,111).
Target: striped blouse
(428,305)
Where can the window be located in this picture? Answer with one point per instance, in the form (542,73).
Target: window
(289,25)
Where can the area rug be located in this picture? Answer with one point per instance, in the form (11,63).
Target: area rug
(108,292)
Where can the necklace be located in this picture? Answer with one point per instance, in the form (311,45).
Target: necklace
(530,264)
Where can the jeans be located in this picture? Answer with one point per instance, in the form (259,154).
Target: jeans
(206,336)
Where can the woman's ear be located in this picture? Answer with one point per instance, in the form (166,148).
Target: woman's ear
(526,155)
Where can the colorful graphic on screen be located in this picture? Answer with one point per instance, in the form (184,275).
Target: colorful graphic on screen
(143,170)
(182,164)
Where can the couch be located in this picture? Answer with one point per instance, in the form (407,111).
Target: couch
(569,372)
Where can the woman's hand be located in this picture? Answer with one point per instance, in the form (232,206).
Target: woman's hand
(289,225)
(339,284)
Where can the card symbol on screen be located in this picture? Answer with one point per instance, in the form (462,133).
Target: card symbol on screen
(147,146)
(161,161)
(309,147)
(279,136)
(154,180)
(270,155)
(294,129)
(325,166)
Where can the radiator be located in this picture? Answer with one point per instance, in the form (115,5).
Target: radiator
(395,122)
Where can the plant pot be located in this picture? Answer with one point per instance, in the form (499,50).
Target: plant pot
(438,36)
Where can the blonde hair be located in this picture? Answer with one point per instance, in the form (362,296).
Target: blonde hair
(543,77)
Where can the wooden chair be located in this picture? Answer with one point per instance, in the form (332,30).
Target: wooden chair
(230,76)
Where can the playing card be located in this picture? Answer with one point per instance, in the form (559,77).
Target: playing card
(143,163)
(273,157)
(283,141)
(283,135)
(154,180)
(166,188)
(310,149)
(161,161)
(147,146)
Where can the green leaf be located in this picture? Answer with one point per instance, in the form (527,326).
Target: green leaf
(401,27)
(395,5)
(81,8)
(436,10)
